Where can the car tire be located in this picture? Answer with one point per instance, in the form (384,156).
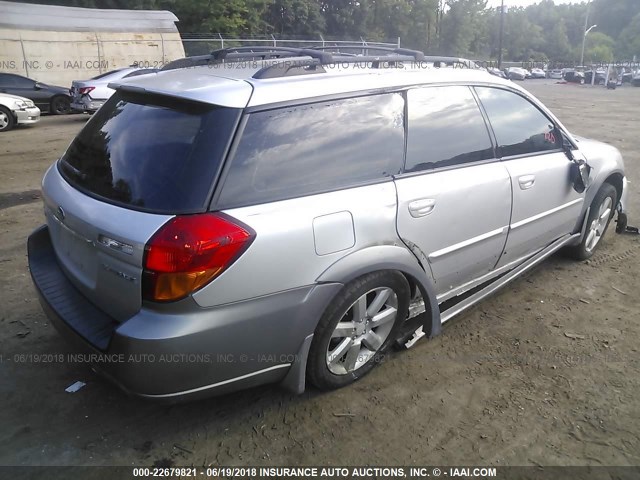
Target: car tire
(369,310)
(60,105)
(6,120)
(603,208)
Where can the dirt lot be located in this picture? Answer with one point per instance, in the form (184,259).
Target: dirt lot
(546,372)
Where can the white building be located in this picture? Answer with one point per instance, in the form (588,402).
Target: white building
(56,45)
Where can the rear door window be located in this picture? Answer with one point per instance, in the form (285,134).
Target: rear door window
(307,149)
(7,81)
(151,152)
(520,127)
(446,128)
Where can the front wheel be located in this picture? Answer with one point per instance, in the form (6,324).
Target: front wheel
(60,105)
(602,211)
(6,119)
(357,328)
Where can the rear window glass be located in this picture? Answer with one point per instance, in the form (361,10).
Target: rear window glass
(151,152)
(102,75)
(307,149)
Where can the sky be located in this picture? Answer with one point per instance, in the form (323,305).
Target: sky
(524,3)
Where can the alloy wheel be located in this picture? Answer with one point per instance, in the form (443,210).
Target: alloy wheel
(599,224)
(362,330)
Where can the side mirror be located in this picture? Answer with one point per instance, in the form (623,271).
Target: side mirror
(38,86)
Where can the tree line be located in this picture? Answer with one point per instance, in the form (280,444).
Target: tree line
(540,32)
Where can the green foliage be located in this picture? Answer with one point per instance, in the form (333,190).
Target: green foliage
(599,48)
(543,31)
(462,27)
(628,44)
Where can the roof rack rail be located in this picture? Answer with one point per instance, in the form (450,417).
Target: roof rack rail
(451,61)
(302,66)
(416,54)
(260,50)
(226,55)
(289,61)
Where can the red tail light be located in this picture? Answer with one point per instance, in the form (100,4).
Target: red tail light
(86,90)
(190,251)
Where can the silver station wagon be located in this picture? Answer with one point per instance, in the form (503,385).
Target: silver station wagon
(264,215)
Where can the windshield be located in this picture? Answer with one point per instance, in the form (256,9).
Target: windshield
(151,153)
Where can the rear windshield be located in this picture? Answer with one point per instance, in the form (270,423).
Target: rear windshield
(150,152)
(102,75)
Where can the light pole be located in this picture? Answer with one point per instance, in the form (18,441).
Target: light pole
(586,31)
(500,38)
(584,41)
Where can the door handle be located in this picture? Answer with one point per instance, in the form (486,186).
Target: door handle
(422,208)
(526,181)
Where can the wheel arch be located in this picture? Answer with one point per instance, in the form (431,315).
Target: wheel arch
(388,257)
(617,180)
(357,264)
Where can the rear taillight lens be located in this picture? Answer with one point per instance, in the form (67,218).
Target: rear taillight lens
(190,251)
(86,90)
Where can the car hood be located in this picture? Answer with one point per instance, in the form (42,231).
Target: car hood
(598,152)
(8,96)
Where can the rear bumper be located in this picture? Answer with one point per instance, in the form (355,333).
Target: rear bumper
(180,351)
(86,104)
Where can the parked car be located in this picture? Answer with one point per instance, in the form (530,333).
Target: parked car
(538,73)
(497,72)
(89,95)
(555,74)
(517,73)
(48,98)
(16,110)
(635,81)
(573,76)
(290,221)
(601,77)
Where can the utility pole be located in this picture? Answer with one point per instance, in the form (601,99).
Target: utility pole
(500,37)
(584,38)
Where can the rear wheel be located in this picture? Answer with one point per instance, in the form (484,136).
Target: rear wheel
(357,329)
(60,105)
(602,210)
(6,120)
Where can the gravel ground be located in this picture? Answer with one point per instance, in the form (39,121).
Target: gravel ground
(545,372)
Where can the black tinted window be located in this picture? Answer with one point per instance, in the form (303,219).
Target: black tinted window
(23,82)
(445,128)
(519,126)
(318,147)
(150,152)
(7,80)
